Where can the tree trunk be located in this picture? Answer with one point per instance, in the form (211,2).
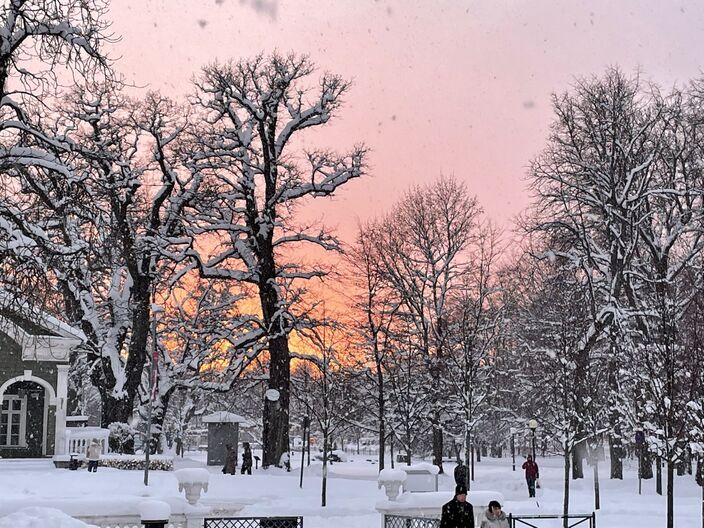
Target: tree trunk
(275,417)
(647,467)
(616,455)
(382,413)
(114,409)
(566,488)
(577,461)
(467,456)
(119,409)
(437,442)
(276,412)
(658,473)
(616,435)
(325,470)
(670,493)
(391,451)
(596,484)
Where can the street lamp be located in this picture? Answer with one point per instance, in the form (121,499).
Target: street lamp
(153,373)
(306,427)
(513,447)
(533,425)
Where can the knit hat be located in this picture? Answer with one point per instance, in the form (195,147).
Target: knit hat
(460,489)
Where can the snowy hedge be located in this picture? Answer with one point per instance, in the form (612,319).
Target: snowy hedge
(135,462)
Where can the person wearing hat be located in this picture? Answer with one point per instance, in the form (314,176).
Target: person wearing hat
(458,513)
(494,517)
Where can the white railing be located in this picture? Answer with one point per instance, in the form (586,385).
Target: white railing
(79,438)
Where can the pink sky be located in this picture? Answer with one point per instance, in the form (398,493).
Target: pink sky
(440,86)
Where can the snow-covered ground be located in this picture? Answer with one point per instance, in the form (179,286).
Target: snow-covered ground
(352,492)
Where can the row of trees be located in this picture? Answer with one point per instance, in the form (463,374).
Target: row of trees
(592,324)
(111,204)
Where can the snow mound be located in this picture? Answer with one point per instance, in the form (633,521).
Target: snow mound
(192,475)
(41,518)
(391,475)
(272,395)
(154,510)
(423,466)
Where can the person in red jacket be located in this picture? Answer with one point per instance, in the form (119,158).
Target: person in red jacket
(532,474)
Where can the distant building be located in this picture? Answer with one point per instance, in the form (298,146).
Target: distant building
(34,354)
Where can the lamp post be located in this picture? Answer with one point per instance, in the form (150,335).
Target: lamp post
(513,447)
(306,427)
(533,425)
(155,308)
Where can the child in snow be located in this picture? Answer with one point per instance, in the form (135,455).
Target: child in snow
(93,455)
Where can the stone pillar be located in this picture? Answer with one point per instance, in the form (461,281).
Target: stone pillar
(60,414)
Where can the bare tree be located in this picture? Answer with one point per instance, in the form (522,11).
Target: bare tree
(254,181)
(475,316)
(423,255)
(588,182)
(325,387)
(377,306)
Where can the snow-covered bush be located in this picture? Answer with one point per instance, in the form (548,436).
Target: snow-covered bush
(136,462)
(121,438)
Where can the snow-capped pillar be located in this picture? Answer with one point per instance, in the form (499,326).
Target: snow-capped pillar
(60,414)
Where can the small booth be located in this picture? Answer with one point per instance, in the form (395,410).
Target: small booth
(223,428)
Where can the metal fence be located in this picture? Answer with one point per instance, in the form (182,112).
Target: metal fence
(399,521)
(254,522)
(581,520)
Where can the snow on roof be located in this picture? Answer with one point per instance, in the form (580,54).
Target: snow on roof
(224,417)
(33,320)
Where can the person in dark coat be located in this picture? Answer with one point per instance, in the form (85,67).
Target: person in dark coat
(458,513)
(532,474)
(230,460)
(246,459)
(179,446)
(461,474)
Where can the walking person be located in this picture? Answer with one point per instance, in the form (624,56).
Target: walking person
(494,517)
(458,513)
(179,445)
(246,459)
(532,474)
(93,455)
(230,460)
(461,473)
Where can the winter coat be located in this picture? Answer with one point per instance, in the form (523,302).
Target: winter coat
(230,462)
(247,458)
(461,472)
(531,470)
(456,514)
(492,521)
(93,452)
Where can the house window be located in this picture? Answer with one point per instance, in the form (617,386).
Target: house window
(13,421)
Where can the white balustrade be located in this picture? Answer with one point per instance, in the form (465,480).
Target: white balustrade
(79,438)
